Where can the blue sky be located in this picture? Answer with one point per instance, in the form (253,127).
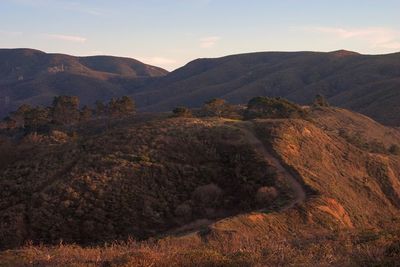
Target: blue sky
(170,33)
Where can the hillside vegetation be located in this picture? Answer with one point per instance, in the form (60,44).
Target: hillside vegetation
(302,186)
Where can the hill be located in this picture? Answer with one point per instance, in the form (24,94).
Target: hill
(316,190)
(34,77)
(363,83)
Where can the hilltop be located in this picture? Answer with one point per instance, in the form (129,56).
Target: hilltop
(34,77)
(216,191)
(364,83)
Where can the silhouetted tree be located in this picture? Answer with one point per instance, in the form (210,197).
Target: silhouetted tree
(121,106)
(19,115)
(86,113)
(320,101)
(10,122)
(65,110)
(182,112)
(100,108)
(37,119)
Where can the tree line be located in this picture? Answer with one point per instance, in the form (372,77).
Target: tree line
(65,110)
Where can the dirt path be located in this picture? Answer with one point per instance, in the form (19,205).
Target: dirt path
(253,140)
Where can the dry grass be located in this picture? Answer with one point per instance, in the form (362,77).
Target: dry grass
(323,249)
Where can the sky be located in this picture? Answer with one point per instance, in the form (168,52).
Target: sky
(170,33)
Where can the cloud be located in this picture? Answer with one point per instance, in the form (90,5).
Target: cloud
(67,38)
(74,6)
(375,37)
(209,42)
(158,61)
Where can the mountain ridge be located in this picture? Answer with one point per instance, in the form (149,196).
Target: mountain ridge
(364,83)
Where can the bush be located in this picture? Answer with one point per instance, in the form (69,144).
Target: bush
(217,108)
(266,107)
(207,195)
(395,150)
(266,194)
(320,101)
(183,210)
(183,112)
(393,250)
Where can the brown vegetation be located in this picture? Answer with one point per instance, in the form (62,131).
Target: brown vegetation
(205,180)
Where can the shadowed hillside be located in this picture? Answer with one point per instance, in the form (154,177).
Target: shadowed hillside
(321,188)
(363,83)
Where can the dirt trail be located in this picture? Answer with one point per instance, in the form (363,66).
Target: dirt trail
(252,139)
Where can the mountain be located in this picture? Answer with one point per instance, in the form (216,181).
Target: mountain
(321,190)
(34,77)
(368,84)
(363,83)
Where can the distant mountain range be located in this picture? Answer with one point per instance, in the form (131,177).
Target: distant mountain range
(35,77)
(365,83)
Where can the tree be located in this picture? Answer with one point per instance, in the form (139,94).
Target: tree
(126,106)
(267,107)
(37,119)
(121,106)
(65,110)
(10,122)
(217,107)
(86,113)
(320,101)
(100,108)
(182,112)
(19,115)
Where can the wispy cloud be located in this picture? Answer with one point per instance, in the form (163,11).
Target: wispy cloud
(61,4)
(375,37)
(209,42)
(67,38)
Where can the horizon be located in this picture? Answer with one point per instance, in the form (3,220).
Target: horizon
(178,67)
(170,35)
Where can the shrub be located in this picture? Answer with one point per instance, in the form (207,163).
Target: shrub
(183,210)
(266,107)
(393,250)
(320,101)
(207,195)
(395,150)
(266,194)
(217,107)
(182,112)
